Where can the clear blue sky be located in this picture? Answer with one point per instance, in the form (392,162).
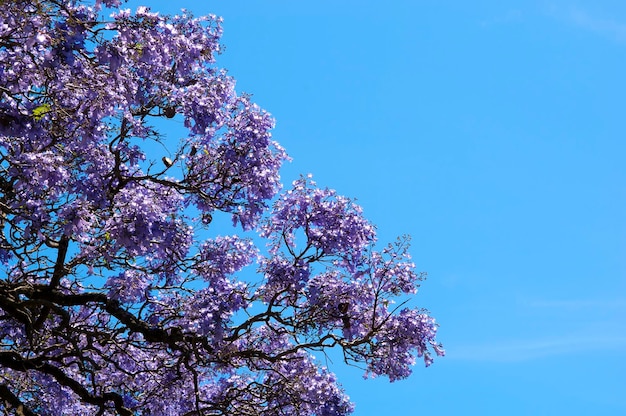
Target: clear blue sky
(493,133)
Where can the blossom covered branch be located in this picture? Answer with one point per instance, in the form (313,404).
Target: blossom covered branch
(117,293)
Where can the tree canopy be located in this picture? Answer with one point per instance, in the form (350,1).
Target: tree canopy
(119,293)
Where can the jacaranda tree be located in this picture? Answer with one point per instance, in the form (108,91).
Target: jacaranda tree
(117,293)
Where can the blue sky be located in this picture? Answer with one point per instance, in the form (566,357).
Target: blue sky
(493,133)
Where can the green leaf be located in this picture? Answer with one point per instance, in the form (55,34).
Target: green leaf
(41,111)
(138,47)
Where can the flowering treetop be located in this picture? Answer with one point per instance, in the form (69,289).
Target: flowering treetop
(114,298)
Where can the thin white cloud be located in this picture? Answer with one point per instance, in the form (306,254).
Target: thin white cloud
(601,328)
(562,327)
(525,350)
(606,27)
(576,304)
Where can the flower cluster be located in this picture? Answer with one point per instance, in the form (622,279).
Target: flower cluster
(400,337)
(332,224)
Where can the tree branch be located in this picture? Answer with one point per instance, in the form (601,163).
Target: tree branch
(57,274)
(15,402)
(16,362)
